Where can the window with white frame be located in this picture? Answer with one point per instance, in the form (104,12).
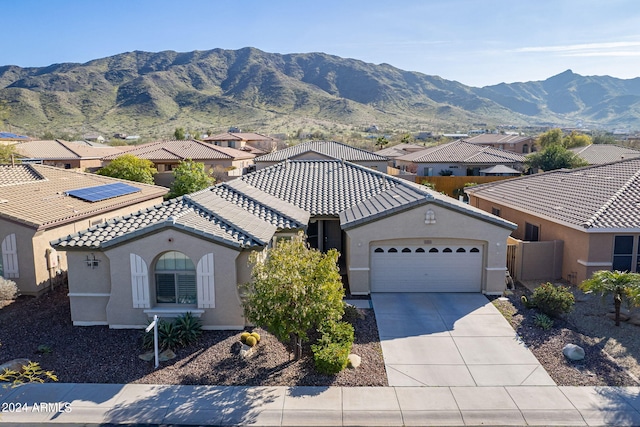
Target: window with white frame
(175,276)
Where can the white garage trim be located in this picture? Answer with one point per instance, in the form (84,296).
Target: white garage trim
(426,268)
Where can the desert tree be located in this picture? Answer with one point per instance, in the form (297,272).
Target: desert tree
(131,168)
(622,286)
(294,289)
(189,177)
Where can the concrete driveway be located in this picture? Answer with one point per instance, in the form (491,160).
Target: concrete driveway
(451,339)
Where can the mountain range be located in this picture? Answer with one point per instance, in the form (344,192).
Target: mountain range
(153,93)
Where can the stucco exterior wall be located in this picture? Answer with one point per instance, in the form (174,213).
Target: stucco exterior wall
(450,227)
(32,246)
(583,252)
(89,287)
(227,314)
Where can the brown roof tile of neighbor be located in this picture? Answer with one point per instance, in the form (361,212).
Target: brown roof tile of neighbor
(182,150)
(496,138)
(594,197)
(59,149)
(598,154)
(37,195)
(462,152)
(238,136)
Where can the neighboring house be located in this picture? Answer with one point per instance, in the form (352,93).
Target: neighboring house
(324,150)
(94,137)
(167,155)
(460,158)
(398,150)
(598,154)
(513,143)
(254,143)
(37,205)
(191,254)
(593,212)
(64,154)
(12,138)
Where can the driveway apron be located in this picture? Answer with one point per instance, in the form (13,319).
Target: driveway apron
(450,340)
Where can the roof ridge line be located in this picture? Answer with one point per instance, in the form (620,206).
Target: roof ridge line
(611,200)
(61,142)
(271,208)
(247,233)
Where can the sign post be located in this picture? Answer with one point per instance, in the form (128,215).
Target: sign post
(154,325)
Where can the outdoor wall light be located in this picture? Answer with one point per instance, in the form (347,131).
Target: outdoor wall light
(92,261)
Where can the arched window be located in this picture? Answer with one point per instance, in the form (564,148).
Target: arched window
(475,250)
(433,250)
(175,279)
(406,250)
(420,250)
(460,250)
(392,250)
(378,250)
(447,250)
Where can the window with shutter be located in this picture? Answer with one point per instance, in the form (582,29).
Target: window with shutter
(139,282)
(206,282)
(10,258)
(175,277)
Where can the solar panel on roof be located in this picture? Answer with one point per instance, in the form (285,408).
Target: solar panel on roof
(102,192)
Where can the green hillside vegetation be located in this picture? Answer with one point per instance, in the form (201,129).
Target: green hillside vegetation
(151,94)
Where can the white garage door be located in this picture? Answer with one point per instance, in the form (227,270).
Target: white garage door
(426,268)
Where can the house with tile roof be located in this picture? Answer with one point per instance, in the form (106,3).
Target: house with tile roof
(191,253)
(254,143)
(167,155)
(398,150)
(592,212)
(39,203)
(324,150)
(65,154)
(514,143)
(458,158)
(598,154)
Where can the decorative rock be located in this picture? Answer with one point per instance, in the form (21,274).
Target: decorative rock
(246,351)
(147,357)
(634,319)
(573,352)
(14,365)
(354,360)
(166,355)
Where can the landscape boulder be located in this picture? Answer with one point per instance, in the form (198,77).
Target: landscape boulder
(14,365)
(246,351)
(354,360)
(573,352)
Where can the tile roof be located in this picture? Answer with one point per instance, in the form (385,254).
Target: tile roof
(598,154)
(462,152)
(238,136)
(35,195)
(496,138)
(590,198)
(248,210)
(399,150)
(332,149)
(182,150)
(59,149)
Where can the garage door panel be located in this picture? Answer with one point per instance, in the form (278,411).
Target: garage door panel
(426,268)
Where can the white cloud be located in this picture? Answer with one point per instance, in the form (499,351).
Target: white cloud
(609,49)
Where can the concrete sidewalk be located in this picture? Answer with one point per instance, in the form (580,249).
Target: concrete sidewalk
(71,404)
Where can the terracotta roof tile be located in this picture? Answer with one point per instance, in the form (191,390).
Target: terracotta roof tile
(182,150)
(332,149)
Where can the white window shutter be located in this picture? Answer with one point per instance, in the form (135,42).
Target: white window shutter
(139,282)
(10,257)
(205,282)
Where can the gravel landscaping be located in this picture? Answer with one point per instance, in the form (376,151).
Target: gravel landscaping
(611,353)
(102,355)
(98,354)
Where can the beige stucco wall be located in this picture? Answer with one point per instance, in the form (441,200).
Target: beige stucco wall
(451,227)
(583,252)
(33,245)
(227,314)
(89,288)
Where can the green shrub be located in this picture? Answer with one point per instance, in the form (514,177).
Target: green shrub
(337,333)
(543,321)
(251,341)
(189,329)
(244,336)
(351,313)
(553,300)
(330,359)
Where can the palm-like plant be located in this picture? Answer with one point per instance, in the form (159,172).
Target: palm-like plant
(621,285)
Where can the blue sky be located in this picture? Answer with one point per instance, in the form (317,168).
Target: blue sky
(476,42)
